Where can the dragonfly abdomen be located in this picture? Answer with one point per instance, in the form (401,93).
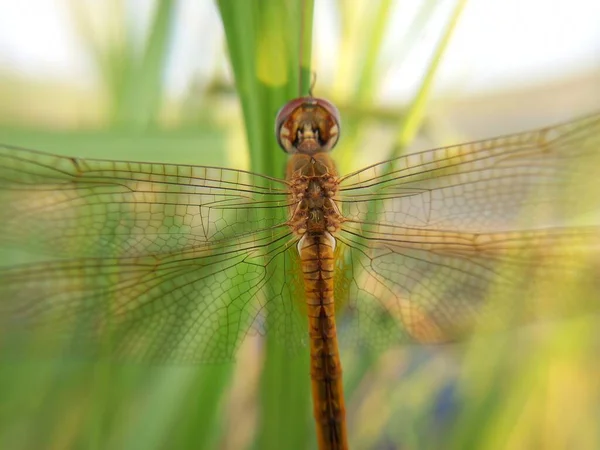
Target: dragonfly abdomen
(317,259)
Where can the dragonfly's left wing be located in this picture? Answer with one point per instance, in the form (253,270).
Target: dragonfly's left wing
(90,207)
(434,240)
(190,306)
(149,261)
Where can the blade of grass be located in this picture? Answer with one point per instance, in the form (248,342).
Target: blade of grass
(141,105)
(365,87)
(365,65)
(132,79)
(199,422)
(363,95)
(263,40)
(414,116)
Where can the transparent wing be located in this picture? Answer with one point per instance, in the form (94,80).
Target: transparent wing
(87,207)
(163,262)
(191,306)
(429,288)
(524,180)
(177,263)
(435,239)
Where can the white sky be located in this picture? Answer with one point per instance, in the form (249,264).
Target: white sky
(498,42)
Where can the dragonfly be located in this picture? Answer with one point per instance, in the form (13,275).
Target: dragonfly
(179,263)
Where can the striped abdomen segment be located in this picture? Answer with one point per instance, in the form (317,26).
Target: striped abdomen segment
(316,255)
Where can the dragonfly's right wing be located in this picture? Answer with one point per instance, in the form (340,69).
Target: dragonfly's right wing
(530,179)
(407,286)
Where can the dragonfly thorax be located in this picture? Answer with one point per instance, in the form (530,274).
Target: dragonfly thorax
(313,186)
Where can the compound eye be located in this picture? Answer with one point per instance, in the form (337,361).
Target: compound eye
(284,126)
(307,113)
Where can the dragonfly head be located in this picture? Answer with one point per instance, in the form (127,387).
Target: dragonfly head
(307,125)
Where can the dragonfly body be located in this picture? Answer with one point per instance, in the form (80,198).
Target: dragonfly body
(315,218)
(317,257)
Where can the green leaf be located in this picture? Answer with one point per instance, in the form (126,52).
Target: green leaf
(268,42)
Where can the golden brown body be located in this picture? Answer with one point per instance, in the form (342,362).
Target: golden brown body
(314,217)
(326,370)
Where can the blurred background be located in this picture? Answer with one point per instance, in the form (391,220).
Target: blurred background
(66,65)
(151,80)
